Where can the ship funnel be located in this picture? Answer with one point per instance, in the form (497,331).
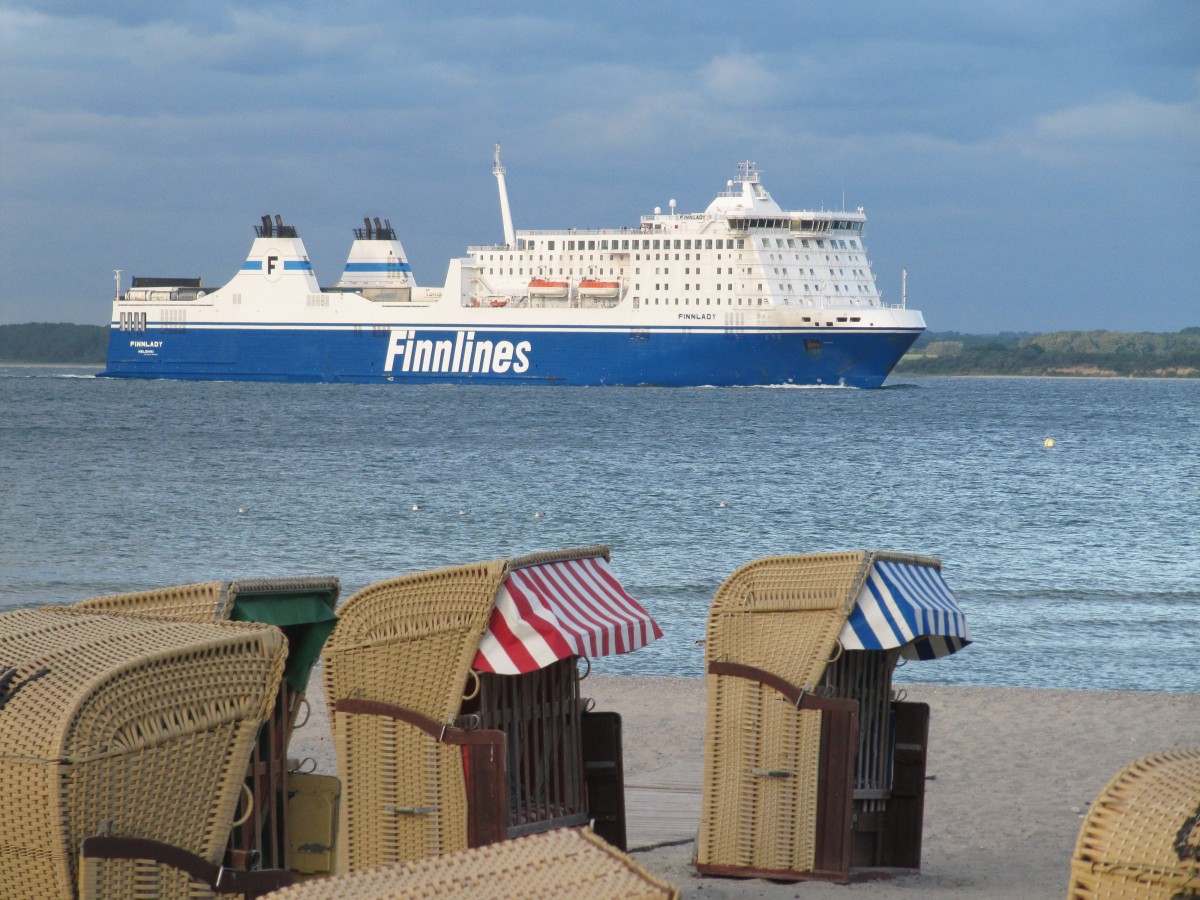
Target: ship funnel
(510,239)
(277,264)
(377,258)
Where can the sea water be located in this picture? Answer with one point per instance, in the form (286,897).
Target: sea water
(1077,565)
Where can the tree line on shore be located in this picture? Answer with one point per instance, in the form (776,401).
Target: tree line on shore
(54,344)
(1081,353)
(1091,353)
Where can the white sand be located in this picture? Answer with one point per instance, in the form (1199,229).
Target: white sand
(1011,772)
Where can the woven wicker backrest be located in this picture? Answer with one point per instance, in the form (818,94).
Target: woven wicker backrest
(302,607)
(554,865)
(210,601)
(1141,838)
(411,640)
(207,602)
(783,613)
(123,724)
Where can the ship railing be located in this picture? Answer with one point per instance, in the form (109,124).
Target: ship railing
(279,231)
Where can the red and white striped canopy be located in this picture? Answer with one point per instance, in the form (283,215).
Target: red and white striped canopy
(551,611)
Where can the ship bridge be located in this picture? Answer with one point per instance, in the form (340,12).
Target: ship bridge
(744,193)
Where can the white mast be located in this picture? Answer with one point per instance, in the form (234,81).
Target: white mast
(904,288)
(498,170)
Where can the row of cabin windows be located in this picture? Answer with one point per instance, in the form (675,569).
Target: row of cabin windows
(687,301)
(693,244)
(689,244)
(834,243)
(645,244)
(787,288)
(666,270)
(687,271)
(591,272)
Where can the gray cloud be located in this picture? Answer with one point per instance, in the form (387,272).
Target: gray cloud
(1002,153)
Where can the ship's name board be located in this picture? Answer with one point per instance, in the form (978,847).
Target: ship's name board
(408,352)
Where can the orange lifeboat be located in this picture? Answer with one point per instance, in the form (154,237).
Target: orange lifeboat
(540,287)
(592,288)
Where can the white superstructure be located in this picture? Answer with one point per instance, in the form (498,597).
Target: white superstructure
(743,252)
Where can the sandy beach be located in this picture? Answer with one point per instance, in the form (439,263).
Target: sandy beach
(1011,773)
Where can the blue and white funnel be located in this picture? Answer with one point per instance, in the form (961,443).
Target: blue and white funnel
(376,258)
(277,264)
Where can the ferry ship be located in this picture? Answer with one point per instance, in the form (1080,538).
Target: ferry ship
(744,293)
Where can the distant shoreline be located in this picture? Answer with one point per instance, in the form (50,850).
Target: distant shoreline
(1043,375)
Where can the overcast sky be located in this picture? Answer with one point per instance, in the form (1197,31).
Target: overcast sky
(1035,165)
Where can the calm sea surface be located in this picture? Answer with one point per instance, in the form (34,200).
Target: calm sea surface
(1077,566)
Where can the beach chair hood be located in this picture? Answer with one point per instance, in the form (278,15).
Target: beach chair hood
(105,717)
(413,640)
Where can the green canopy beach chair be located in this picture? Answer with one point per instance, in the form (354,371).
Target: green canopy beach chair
(303,609)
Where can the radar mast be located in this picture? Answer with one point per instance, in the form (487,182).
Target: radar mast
(498,170)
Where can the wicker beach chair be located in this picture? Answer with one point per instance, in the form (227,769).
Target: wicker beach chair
(211,601)
(125,727)
(303,609)
(568,862)
(456,710)
(811,767)
(1141,838)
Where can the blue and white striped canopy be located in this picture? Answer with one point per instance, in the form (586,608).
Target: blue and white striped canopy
(907,606)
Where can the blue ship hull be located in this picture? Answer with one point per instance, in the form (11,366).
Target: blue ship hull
(421,354)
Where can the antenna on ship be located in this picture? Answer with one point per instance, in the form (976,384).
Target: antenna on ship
(904,288)
(498,170)
(117,278)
